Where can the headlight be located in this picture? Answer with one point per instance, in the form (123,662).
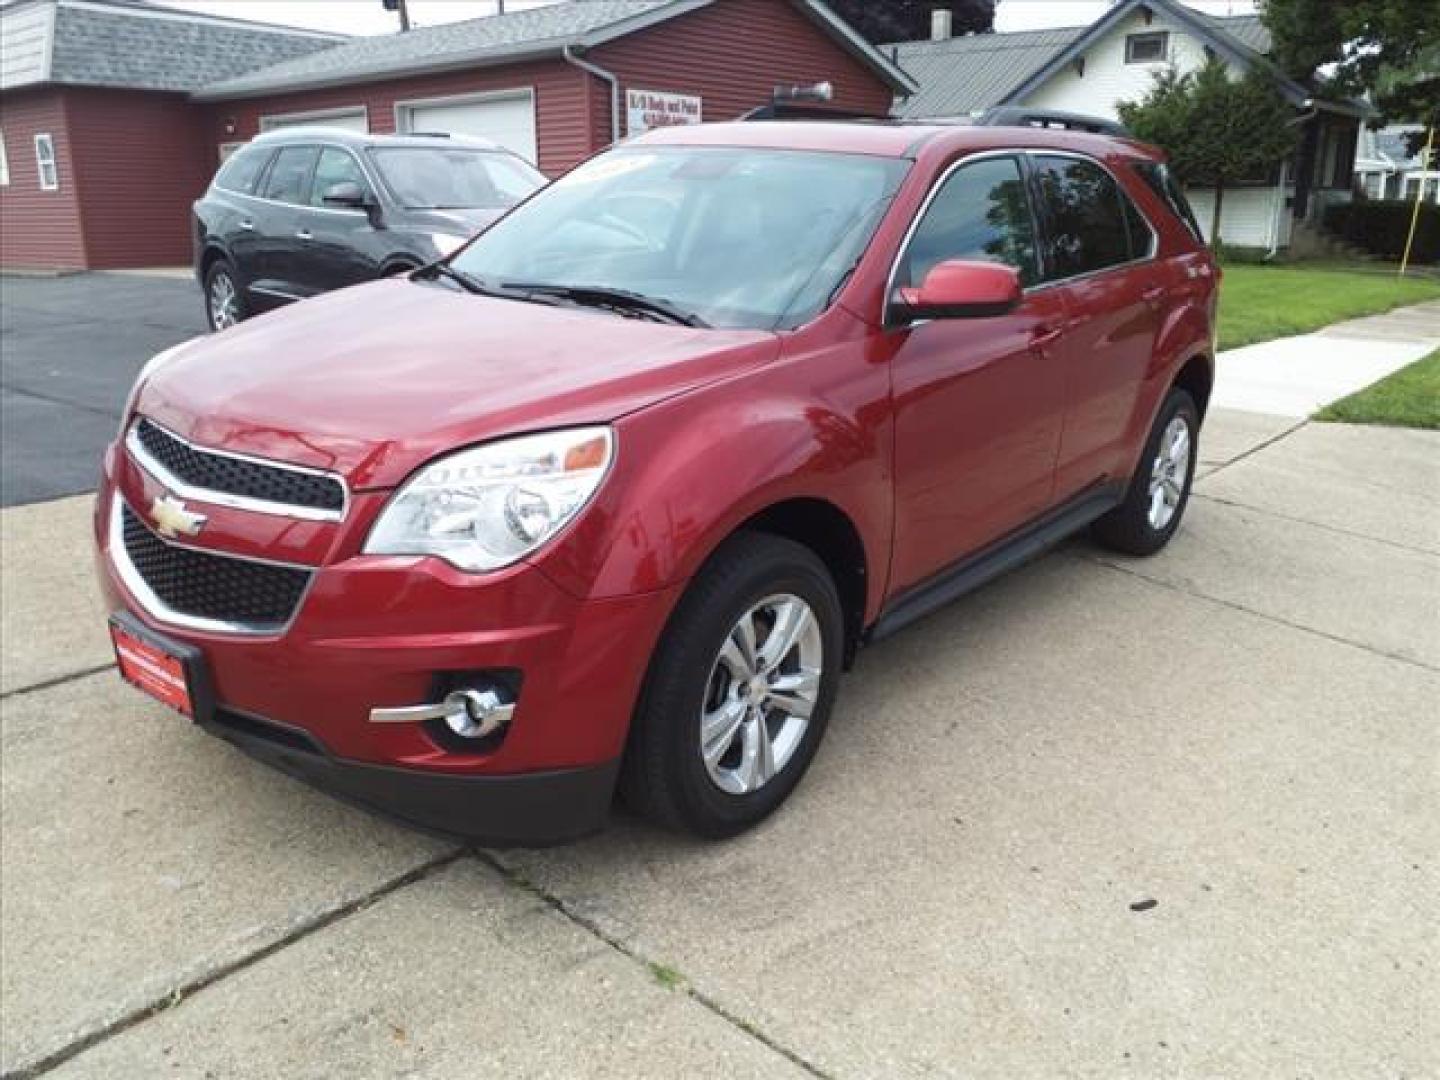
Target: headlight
(492,505)
(446,244)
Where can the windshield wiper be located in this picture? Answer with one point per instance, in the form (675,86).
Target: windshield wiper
(478,286)
(620,299)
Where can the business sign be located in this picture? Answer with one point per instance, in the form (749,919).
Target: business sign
(652,109)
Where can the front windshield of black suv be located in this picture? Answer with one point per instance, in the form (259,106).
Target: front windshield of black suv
(454,178)
(732,237)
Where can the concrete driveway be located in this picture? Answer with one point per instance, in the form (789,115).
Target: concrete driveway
(70,348)
(1107,817)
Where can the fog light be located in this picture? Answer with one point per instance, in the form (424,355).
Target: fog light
(474,714)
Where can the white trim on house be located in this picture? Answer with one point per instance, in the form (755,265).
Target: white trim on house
(45,160)
(4,162)
(404,113)
(318,117)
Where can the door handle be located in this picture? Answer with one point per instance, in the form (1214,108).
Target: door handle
(1044,334)
(247,224)
(1154,293)
(305,234)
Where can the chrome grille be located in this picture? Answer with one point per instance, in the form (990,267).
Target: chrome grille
(241,481)
(211,591)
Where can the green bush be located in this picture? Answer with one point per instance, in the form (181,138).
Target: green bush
(1381,225)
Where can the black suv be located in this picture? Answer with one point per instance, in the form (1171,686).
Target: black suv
(306,210)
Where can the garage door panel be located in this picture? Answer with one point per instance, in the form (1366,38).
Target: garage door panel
(356,121)
(508,120)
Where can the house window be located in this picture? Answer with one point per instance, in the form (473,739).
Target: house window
(1147,48)
(45,162)
(4,163)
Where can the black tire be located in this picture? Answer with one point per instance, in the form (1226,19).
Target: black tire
(664,776)
(1128,528)
(223,268)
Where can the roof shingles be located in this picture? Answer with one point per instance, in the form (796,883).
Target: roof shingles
(145,52)
(503,36)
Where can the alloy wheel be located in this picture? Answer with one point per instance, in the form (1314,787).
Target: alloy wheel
(1169,472)
(762,688)
(224,304)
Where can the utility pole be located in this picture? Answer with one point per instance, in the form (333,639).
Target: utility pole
(400,6)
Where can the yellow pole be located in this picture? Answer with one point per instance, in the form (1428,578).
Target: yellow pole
(1425,163)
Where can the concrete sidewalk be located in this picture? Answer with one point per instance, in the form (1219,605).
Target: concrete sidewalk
(1242,730)
(1297,376)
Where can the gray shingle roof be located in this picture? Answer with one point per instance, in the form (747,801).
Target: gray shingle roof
(960,75)
(1246,29)
(493,38)
(145,47)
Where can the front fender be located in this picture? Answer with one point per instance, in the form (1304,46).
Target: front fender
(692,470)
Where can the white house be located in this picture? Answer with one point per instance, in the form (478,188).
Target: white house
(1385,168)
(1092,69)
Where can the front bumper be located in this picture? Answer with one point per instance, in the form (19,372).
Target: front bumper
(529,809)
(377,632)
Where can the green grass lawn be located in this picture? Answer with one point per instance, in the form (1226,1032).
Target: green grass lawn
(1258,303)
(1408,398)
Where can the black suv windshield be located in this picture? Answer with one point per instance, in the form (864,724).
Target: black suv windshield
(454,178)
(735,237)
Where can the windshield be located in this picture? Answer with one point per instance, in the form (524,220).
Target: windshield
(453,178)
(736,237)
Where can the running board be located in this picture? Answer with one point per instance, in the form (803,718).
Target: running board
(969,574)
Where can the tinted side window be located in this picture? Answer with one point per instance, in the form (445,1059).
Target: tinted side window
(1088,230)
(982,212)
(1162,181)
(336,167)
(1136,228)
(289,178)
(243,169)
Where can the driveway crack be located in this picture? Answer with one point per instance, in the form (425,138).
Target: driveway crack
(188,989)
(651,967)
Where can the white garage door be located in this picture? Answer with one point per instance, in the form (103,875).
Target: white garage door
(345,119)
(508,120)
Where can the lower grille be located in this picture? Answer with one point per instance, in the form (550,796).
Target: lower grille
(245,595)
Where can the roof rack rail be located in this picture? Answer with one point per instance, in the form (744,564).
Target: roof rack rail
(1017,116)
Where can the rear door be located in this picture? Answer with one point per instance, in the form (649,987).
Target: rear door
(1100,260)
(978,402)
(337,246)
(278,225)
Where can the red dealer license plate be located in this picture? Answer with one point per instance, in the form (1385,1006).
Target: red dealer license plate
(160,670)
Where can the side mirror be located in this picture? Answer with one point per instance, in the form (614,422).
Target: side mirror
(347,194)
(961,289)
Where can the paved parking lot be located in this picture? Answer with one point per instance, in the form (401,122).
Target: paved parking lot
(1106,817)
(69,349)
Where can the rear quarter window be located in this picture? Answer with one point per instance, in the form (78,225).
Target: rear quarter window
(1159,179)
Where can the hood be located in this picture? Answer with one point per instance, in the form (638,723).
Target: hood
(373,381)
(460,222)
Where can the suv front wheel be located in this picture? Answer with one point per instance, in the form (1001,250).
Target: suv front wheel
(224,303)
(739,691)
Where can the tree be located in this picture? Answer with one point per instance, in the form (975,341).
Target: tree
(880,21)
(1390,48)
(1217,130)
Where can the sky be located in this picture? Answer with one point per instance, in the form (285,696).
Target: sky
(368,17)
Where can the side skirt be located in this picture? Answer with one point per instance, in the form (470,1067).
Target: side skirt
(1004,555)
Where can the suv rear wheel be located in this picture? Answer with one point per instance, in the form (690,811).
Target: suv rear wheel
(224,303)
(1160,489)
(739,691)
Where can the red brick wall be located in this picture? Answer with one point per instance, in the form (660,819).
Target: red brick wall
(733,54)
(141,160)
(562,132)
(38,228)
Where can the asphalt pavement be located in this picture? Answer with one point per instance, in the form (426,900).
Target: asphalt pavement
(70,347)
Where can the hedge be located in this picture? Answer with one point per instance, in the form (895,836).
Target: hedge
(1381,225)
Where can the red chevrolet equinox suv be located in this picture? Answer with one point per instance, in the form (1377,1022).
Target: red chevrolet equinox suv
(611,497)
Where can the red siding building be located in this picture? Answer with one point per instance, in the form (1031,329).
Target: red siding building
(555,83)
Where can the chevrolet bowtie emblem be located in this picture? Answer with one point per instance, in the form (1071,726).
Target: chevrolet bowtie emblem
(172,519)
